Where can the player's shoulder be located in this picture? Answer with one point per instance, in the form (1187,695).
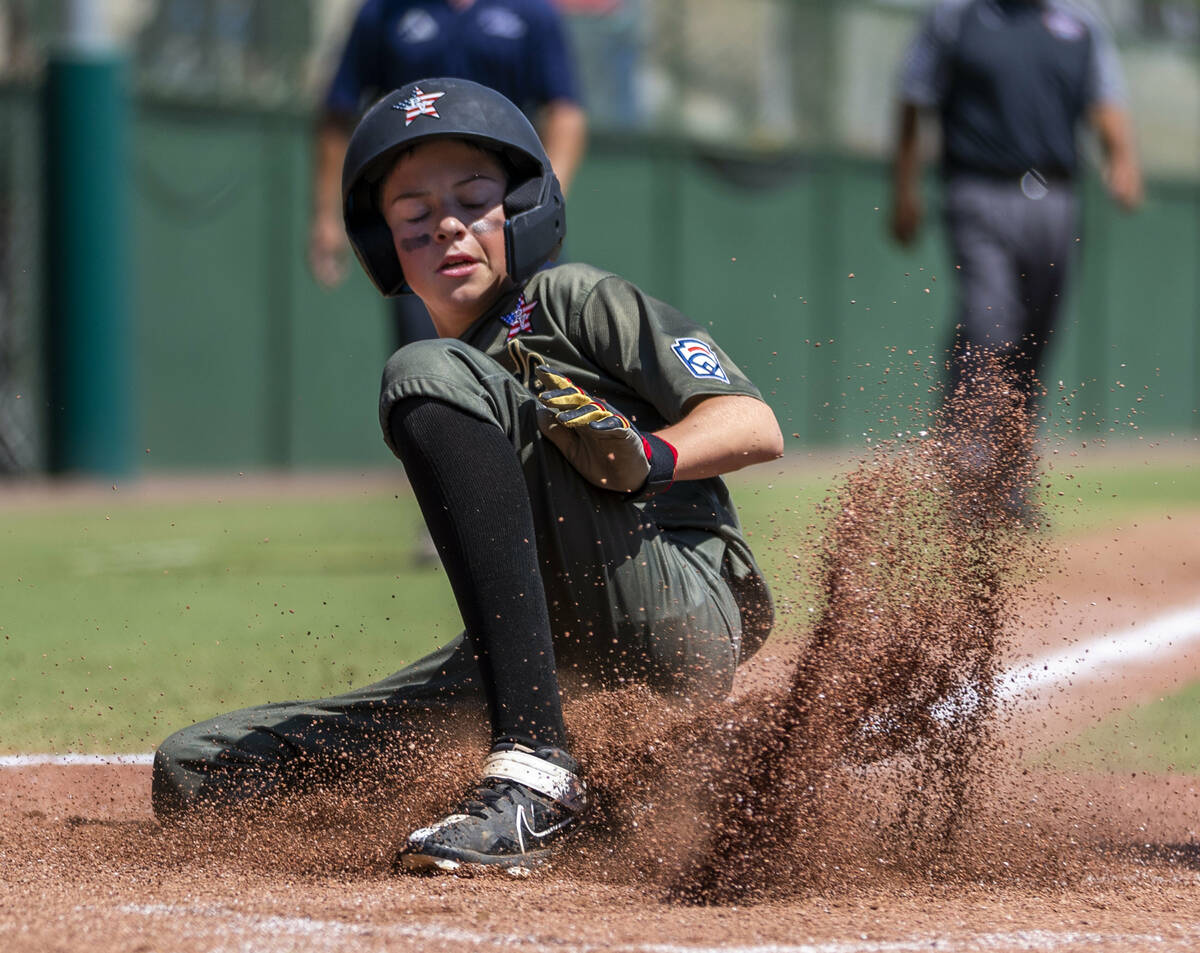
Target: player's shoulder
(579,295)
(573,281)
(946,16)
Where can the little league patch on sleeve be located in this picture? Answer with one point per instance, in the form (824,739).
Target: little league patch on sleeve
(699,358)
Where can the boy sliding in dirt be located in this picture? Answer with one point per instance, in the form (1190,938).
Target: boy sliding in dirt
(564,437)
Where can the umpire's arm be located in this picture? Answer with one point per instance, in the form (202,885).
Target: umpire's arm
(923,78)
(562,126)
(906,173)
(1123,173)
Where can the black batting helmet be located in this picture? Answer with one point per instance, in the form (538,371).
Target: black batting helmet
(438,108)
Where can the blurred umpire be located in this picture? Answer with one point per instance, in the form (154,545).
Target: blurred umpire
(1010,82)
(517,47)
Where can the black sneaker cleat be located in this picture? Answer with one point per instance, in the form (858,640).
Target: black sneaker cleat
(527,803)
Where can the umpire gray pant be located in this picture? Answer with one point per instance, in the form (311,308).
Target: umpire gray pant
(1012,242)
(628,599)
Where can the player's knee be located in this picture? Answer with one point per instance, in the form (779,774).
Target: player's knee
(418,422)
(177,776)
(442,359)
(443,370)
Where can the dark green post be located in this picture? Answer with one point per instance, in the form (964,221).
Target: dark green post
(87,264)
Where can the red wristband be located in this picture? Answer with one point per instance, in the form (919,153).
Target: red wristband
(662,457)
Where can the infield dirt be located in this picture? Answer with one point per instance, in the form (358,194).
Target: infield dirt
(1052,860)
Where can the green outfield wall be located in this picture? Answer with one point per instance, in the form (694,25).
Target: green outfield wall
(241,361)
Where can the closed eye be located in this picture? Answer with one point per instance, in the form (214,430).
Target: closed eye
(479,193)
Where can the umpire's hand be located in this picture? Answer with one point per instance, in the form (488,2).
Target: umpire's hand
(327,251)
(906,215)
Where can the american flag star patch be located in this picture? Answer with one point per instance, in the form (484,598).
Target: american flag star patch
(517,320)
(419,104)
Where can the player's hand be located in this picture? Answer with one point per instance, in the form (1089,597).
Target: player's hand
(327,250)
(606,449)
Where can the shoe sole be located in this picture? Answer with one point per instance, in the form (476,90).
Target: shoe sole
(478,863)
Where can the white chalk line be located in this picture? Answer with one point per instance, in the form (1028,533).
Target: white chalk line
(72,760)
(1089,659)
(1083,662)
(249,929)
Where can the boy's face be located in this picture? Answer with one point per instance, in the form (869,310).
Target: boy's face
(444,205)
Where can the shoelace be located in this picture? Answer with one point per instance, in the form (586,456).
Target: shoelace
(485,798)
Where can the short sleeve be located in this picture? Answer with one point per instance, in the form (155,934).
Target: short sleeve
(554,76)
(655,350)
(925,69)
(358,70)
(1105,80)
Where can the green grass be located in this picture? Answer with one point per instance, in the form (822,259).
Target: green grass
(120,623)
(1097,493)
(1163,735)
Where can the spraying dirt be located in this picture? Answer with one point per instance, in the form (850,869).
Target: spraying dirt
(879,741)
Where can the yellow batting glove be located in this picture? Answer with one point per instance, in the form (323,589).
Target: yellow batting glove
(601,443)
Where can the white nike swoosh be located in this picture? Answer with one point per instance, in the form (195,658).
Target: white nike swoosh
(523,822)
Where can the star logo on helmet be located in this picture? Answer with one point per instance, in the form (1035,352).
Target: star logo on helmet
(419,104)
(518,319)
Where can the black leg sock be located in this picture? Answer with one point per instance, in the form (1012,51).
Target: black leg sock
(468,482)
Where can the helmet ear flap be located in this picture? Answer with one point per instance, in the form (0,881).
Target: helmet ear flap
(535,223)
(524,197)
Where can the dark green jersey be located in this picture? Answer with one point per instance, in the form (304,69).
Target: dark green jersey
(639,354)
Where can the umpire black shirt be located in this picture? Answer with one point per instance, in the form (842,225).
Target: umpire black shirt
(1011,80)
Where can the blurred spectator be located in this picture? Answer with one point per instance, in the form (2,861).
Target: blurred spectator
(16,58)
(1010,81)
(608,39)
(16,47)
(1177,20)
(229,48)
(517,47)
